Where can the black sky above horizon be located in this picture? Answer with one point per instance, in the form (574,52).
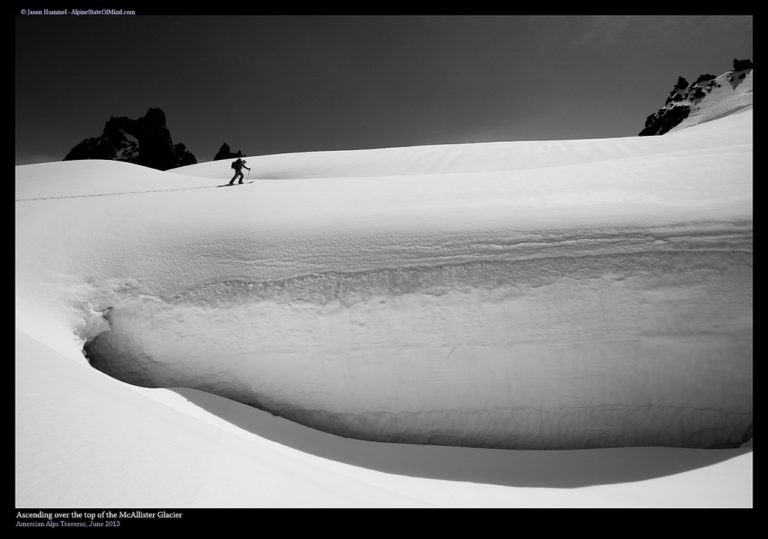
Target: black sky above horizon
(280,84)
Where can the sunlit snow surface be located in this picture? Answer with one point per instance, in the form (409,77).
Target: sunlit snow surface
(539,295)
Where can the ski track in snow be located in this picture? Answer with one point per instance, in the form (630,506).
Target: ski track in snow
(60,197)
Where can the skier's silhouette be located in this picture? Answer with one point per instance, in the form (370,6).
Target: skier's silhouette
(238,165)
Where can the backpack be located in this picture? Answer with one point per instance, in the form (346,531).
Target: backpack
(234,164)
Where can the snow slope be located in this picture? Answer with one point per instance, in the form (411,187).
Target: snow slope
(558,294)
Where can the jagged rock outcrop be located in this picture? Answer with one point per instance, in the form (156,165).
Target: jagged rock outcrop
(685,98)
(705,77)
(145,141)
(225,153)
(664,120)
(183,156)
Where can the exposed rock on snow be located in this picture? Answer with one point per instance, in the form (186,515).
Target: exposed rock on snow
(708,98)
(667,118)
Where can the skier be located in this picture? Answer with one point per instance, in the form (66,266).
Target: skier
(238,165)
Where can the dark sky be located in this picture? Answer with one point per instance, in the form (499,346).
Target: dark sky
(279,84)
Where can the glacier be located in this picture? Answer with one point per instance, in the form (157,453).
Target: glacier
(533,295)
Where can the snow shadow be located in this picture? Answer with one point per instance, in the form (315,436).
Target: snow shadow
(737,77)
(515,468)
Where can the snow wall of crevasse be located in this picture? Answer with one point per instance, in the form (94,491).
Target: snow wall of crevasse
(572,348)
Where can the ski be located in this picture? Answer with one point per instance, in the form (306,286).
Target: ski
(233,184)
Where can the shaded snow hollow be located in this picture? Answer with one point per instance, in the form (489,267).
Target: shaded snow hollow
(647,345)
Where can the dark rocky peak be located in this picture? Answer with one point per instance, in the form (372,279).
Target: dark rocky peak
(226,153)
(144,141)
(741,65)
(739,73)
(183,156)
(684,97)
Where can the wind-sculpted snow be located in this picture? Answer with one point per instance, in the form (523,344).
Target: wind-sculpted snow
(567,340)
(542,294)
(550,294)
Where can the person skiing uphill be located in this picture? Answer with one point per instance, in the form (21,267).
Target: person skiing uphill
(238,165)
